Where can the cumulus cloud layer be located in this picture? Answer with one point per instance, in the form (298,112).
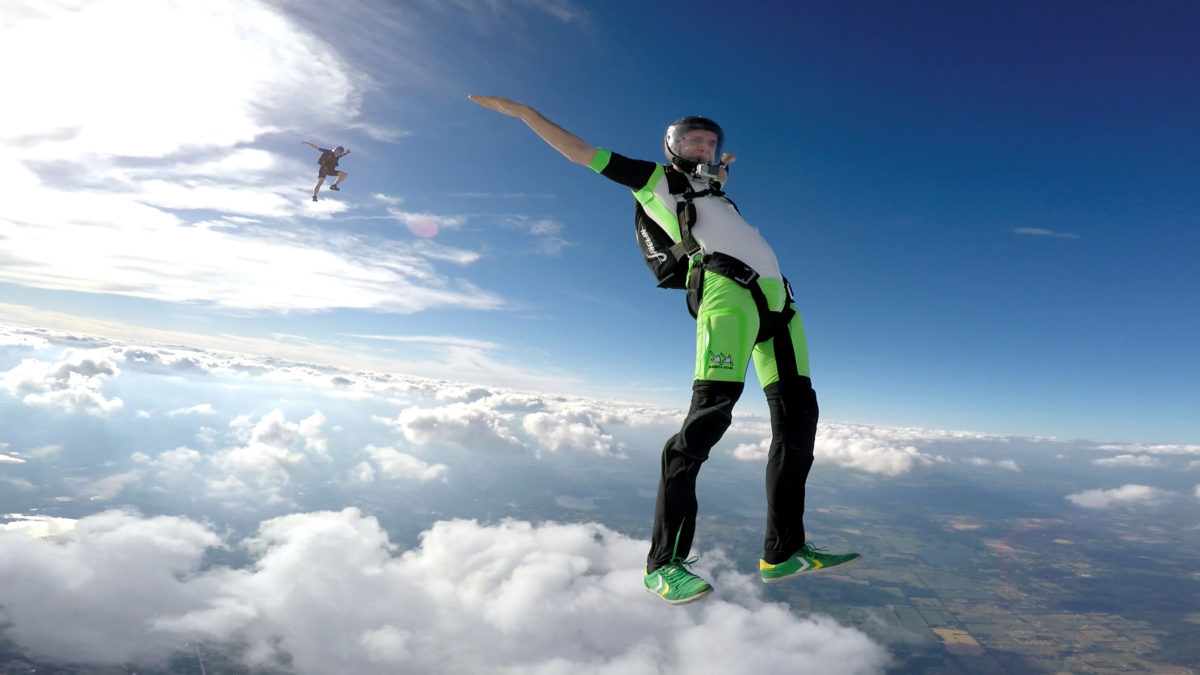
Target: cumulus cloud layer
(434,414)
(328,592)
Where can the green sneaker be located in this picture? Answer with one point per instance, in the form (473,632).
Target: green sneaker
(806,561)
(676,584)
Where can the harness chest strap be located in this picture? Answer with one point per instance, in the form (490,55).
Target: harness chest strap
(685,212)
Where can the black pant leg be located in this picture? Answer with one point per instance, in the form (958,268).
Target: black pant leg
(794,413)
(709,415)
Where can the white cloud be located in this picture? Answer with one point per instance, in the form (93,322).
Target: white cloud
(426,224)
(1142,461)
(98,584)
(506,14)
(207,435)
(328,592)
(1126,495)
(199,409)
(250,267)
(44,451)
(19,483)
(1039,232)
(272,448)
(237,355)
(870,454)
(546,233)
(17,339)
(464,425)
(880,450)
(1153,448)
(546,227)
(107,488)
(204,84)
(9,459)
(36,526)
(72,384)
(1008,464)
(753,452)
(363,472)
(466,393)
(571,431)
(171,464)
(273,429)
(395,464)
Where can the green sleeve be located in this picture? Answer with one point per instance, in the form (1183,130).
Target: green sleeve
(600,160)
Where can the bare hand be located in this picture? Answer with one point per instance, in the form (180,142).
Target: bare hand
(728,158)
(502,105)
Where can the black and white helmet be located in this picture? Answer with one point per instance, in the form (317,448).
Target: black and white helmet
(679,129)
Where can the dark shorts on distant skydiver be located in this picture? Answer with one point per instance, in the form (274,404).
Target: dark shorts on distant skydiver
(328,172)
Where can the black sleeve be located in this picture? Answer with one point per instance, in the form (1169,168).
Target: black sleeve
(632,173)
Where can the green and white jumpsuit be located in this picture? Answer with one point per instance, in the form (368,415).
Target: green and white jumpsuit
(728,338)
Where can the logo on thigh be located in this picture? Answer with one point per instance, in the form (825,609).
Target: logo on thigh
(720,360)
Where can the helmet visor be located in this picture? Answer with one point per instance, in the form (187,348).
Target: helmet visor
(696,139)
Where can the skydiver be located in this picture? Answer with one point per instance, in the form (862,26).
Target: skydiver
(328,162)
(744,312)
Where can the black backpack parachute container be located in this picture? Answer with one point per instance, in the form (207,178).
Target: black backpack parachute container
(668,259)
(328,161)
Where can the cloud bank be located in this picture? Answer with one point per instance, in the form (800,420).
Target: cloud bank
(328,592)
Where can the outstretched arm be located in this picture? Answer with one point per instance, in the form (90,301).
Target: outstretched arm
(309,145)
(570,145)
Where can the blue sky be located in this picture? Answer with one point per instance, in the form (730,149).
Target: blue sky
(988,211)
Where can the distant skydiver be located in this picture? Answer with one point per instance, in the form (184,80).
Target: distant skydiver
(693,237)
(328,162)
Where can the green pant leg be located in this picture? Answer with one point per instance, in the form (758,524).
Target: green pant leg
(726,326)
